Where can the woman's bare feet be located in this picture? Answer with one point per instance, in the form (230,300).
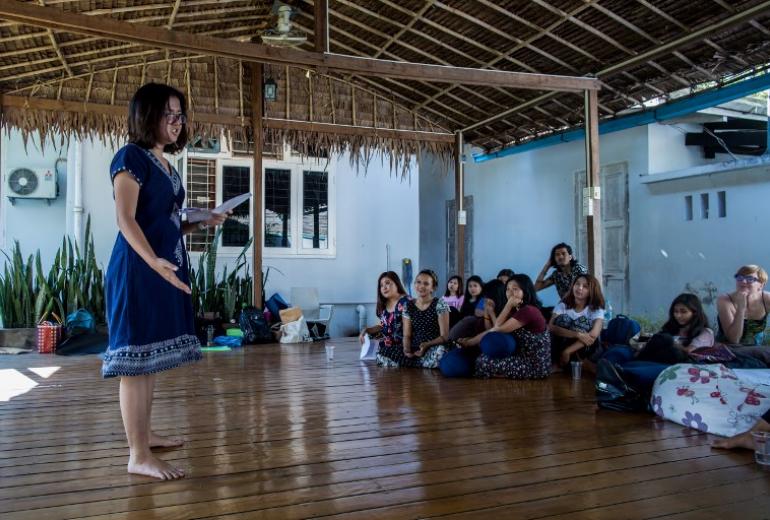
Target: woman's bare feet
(151,466)
(159,441)
(744,440)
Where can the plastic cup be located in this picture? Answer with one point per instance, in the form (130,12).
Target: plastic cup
(577,369)
(329,352)
(762,448)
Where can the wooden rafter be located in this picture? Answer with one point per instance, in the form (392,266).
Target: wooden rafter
(174,11)
(153,36)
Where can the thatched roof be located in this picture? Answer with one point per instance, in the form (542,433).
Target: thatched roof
(614,39)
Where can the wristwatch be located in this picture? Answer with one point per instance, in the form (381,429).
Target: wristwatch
(202,226)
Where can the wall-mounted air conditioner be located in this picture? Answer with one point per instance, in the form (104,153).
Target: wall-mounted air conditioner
(25,183)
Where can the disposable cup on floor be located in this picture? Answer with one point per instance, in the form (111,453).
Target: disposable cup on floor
(329,352)
(577,369)
(762,448)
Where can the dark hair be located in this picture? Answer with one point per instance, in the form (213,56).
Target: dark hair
(505,272)
(562,245)
(595,297)
(432,274)
(528,288)
(381,302)
(698,323)
(459,285)
(469,306)
(145,112)
(495,290)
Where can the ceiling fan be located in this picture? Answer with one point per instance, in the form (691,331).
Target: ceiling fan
(283,35)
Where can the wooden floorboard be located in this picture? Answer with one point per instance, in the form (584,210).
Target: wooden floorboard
(276,432)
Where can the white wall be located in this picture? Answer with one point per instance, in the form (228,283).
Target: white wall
(375,208)
(524,204)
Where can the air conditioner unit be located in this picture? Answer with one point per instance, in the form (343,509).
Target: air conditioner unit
(24,183)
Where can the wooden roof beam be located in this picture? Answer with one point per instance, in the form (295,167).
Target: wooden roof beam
(157,37)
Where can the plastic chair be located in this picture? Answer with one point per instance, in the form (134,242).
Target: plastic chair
(317,316)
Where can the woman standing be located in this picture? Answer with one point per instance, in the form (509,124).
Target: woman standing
(149,309)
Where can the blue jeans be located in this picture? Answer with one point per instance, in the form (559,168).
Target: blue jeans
(459,362)
(619,354)
(498,345)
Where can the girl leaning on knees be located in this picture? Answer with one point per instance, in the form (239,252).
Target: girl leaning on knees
(577,321)
(149,309)
(742,314)
(391,304)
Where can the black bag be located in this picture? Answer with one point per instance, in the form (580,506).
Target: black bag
(254,326)
(613,392)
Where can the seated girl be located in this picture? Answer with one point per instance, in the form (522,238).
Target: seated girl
(426,323)
(742,314)
(686,330)
(471,309)
(576,322)
(453,297)
(391,304)
(517,346)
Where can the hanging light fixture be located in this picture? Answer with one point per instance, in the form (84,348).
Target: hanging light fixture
(270,89)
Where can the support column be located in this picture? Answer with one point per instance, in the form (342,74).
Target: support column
(257,111)
(460,217)
(321,26)
(593,186)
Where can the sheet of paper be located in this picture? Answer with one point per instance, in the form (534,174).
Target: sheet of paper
(199,215)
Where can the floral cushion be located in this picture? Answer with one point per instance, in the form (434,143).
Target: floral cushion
(709,398)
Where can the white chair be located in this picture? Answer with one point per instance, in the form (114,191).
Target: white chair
(317,316)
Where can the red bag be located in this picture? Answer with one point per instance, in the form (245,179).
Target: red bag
(48,337)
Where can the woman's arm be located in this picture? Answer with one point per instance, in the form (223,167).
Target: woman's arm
(406,323)
(731,317)
(372,331)
(505,313)
(126,190)
(541,282)
(443,327)
(560,331)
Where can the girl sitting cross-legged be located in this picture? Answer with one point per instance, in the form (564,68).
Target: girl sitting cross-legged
(517,346)
(426,323)
(391,304)
(577,321)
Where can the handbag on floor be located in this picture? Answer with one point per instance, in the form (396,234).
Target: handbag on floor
(295,331)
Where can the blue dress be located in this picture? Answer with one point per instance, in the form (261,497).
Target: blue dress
(151,322)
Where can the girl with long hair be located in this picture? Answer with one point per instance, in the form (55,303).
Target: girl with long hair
(391,304)
(577,321)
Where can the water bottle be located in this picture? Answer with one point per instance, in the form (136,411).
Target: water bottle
(607,314)
(210,335)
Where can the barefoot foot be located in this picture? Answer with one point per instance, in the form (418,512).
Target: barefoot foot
(744,440)
(159,441)
(151,466)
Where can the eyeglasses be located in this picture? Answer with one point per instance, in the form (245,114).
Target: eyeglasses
(744,278)
(173,118)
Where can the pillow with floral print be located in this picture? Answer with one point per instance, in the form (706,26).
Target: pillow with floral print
(709,398)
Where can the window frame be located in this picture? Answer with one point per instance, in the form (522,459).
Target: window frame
(297,167)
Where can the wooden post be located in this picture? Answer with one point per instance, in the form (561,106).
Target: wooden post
(459,206)
(321,26)
(257,111)
(593,183)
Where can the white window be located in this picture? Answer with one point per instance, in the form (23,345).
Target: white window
(299,208)
(298,202)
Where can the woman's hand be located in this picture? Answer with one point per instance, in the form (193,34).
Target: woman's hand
(361,337)
(564,359)
(585,338)
(515,301)
(168,271)
(424,346)
(217,219)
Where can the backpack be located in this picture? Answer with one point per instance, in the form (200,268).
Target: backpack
(613,392)
(620,330)
(255,327)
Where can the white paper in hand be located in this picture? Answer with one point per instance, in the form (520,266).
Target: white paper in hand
(199,215)
(368,349)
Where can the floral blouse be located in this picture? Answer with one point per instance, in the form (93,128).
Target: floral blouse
(392,327)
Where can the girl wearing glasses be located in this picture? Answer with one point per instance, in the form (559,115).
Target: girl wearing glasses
(743,312)
(149,310)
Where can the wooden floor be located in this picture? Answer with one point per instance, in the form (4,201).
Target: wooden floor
(277,432)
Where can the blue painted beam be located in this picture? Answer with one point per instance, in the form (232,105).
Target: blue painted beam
(671,110)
